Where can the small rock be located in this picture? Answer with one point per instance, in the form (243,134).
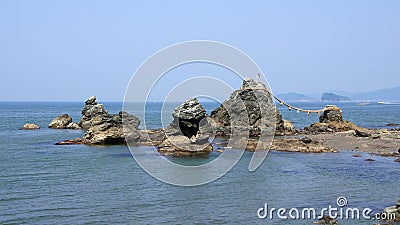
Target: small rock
(60,122)
(30,126)
(376,136)
(383,131)
(397,160)
(73,125)
(306,140)
(357,155)
(362,132)
(370,160)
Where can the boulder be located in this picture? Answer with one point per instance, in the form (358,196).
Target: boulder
(61,122)
(251,107)
(30,126)
(73,126)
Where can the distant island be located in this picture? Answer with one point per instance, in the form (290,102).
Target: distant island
(331,97)
(296,97)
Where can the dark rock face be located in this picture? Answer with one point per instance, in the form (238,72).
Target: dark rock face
(248,106)
(331,114)
(63,121)
(187,117)
(30,126)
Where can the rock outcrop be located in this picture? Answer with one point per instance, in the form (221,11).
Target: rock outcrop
(104,128)
(189,132)
(30,126)
(63,121)
(92,111)
(332,121)
(251,107)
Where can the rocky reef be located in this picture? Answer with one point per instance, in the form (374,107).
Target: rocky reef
(189,132)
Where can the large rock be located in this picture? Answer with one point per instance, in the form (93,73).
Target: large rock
(92,111)
(251,107)
(108,129)
(103,128)
(30,126)
(332,121)
(187,117)
(189,132)
(61,122)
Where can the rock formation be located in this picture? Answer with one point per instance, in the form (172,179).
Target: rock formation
(92,111)
(331,121)
(63,121)
(252,100)
(30,126)
(104,128)
(189,132)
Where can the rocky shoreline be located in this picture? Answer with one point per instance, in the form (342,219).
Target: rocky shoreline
(191,130)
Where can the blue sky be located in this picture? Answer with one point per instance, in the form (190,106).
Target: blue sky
(70,50)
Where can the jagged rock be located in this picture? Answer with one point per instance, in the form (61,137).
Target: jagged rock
(30,126)
(61,122)
(108,129)
(104,128)
(187,117)
(92,111)
(189,132)
(251,108)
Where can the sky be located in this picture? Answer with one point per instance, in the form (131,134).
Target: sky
(69,50)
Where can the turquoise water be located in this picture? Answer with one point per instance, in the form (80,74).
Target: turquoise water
(42,183)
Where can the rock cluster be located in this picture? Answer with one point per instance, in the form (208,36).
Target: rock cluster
(189,132)
(63,121)
(253,100)
(30,126)
(104,128)
(332,121)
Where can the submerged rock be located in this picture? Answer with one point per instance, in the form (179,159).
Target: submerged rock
(63,121)
(30,126)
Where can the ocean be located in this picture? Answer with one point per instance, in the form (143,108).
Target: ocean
(43,183)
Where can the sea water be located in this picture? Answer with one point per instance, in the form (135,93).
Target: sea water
(43,183)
